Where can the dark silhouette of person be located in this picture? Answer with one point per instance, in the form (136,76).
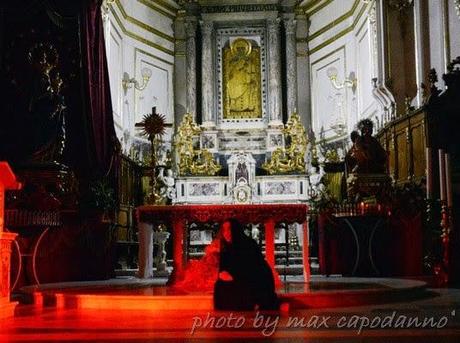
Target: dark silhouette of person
(245,280)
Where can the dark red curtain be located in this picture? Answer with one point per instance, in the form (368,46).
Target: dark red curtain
(103,144)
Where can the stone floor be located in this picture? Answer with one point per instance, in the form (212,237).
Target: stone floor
(437,315)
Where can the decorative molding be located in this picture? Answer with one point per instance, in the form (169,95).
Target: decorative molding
(168,69)
(150,4)
(280,188)
(153,56)
(141,24)
(335,22)
(137,37)
(319,8)
(331,40)
(342,47)
(457,7)
(341,33)
(166,5)
(310,8)
(240,8)
(204,189)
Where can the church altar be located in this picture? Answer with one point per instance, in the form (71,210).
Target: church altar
(177,217)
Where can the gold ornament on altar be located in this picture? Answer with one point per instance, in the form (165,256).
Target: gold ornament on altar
(193,161)
(242,80)
(153,126)
(290,159)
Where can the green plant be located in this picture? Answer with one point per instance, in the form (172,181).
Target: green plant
(100,196)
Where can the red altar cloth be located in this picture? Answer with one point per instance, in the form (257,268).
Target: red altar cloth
(268,214)
(395,248)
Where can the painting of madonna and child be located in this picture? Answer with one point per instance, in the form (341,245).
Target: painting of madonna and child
(234,269)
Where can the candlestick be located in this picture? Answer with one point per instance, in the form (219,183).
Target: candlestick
(442,175)
(448,181)
(429,174)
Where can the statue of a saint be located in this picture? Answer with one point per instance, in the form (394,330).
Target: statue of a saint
(315,178)
(367,155)
(242,95)
(168,190)
(241,172)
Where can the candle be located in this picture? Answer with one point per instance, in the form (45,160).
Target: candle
(429,174)
(442,175)
(448,181)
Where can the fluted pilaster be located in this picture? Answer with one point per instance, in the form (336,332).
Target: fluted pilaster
(207,73)
(290,25)
(190,31)
(274,84)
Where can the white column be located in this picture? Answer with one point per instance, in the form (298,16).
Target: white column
(180,89)
(207,74)
(274,72)
(290,25)
(190,31)
(145,239)
(303,71)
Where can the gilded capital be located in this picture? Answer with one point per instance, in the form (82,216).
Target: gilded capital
(190,27)
(290,25)
(206,27)
(273,26)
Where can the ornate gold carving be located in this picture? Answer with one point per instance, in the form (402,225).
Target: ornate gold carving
(242,80)
(292,158)
(193,161)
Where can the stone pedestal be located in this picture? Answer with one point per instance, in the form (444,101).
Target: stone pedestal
(7,181)
(6,307)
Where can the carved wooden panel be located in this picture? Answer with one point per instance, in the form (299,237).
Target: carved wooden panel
(402,156)
(391,155)
(418,149)
(405,142)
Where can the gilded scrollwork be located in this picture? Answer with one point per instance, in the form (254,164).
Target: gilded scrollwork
(191,160)
(290,159)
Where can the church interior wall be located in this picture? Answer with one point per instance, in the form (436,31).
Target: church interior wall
(141,36)
(444,30)
(340,34)
(345,43)
(454,27)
